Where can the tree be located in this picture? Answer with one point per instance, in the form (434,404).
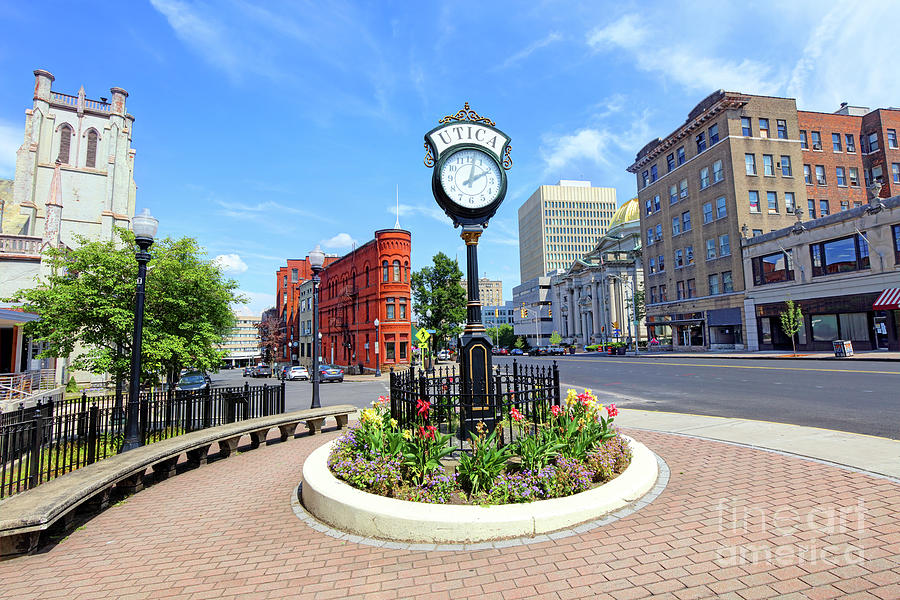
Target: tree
(503,335)
(520,343)
(555,338)
(437,288)
(791,322)
(86,305)
(272,335)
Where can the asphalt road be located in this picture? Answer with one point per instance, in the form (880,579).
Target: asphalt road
(298,394)
(857,396)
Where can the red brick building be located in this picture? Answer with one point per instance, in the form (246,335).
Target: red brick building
(845,151)
(368,283)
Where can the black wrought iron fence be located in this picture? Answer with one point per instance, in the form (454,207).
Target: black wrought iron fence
(456,406)
(52,438)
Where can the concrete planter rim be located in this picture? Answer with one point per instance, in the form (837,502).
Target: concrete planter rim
(354,511)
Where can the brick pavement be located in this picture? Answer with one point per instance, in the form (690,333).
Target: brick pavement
(733,522)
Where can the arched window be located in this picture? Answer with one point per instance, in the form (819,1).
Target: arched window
(396,270)
(91,160)
(367,275)
(65,143)
(406,268)
(384,270)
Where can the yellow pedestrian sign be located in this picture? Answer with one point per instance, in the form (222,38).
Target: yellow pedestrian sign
(423,336)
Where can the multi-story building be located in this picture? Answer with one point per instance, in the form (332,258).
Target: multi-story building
(846,151)
(242,344)
(73,177)
(532,317)
(732,170)
(843,270)
(495,315)
(369,283)
(490,291)
(593,299)
(560,223)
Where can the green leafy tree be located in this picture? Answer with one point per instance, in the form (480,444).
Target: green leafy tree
(555,338)
(86,305)
(791,322)
(520,343)
(502,335)
(436,288)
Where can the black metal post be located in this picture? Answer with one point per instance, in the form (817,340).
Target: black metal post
(315,374)
(132,440)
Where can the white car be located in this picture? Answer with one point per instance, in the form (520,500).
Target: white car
(444,355)
(298,372)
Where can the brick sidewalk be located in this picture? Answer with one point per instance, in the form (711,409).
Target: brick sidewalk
(732,523)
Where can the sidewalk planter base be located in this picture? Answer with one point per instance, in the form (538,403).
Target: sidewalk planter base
(357,512)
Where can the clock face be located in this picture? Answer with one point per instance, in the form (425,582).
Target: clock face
(470,178)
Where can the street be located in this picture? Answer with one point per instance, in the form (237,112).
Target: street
(859,397)
(298,394)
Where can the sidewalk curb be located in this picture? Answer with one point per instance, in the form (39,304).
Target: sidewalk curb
(765,357)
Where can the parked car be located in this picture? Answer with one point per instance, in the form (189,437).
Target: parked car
(193,381)
(262,370)
(283,371)
(556,350)
(539,351)
(298,372)
(248,371)
(444,354)
(330,373)
(516,352)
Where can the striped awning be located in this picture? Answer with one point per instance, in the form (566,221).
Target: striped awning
(888,299)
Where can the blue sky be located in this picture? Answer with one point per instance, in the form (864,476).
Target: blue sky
(263,128)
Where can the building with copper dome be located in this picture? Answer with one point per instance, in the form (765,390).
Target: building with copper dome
(593,299)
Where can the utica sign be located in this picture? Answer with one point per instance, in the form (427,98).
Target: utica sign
(454,134)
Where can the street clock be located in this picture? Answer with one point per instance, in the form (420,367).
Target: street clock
(470,158)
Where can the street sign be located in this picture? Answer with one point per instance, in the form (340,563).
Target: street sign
(617,332)
(423,336)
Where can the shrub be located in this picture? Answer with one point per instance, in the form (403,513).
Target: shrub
(71,386)
(438,487)
(380,475)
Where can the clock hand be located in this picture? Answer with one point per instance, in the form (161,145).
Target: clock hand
(472,176)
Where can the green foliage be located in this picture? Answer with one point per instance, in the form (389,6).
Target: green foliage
(487,460)
(555,339)
(422,455)
(538,449)
(521,344)
(86,304)
(639,296)
(792,322)
(71,386)
(437,288)
(502,336)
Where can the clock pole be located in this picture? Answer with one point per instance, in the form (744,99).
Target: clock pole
(475,354)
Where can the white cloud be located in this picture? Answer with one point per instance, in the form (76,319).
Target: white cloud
(692,66)
(231,263)
(411,210)
(527,51)
(257,302)
(341,241)
(267,211)
(10,139)
(584,144)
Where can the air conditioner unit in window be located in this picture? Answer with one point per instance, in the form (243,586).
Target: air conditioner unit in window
(817,146)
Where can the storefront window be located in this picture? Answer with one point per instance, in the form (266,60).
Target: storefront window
(403,350)
(824,328)
(801,335)
(765,330)
(389,350)
(854,326)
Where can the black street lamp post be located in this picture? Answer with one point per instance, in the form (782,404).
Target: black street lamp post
(377,323)
(144,227)
(316,260)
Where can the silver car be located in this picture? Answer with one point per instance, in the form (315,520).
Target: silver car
(297,372)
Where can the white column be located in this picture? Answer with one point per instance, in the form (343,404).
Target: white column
(595,310)
(570,316)
(578,322)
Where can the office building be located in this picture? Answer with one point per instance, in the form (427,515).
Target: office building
(490,291)
(532,317)
(242,343)
(495,315)
(560,223)
(843,270)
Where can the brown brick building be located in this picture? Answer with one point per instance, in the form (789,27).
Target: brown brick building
(740,166)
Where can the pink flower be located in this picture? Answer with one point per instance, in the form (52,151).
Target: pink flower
(516,415)
(383,399)
(422,407)
(555,410)
(611,410)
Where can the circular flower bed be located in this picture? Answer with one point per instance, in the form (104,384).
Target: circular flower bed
(577,448)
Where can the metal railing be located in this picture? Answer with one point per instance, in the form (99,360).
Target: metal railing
(55,437)
(456,407)
(19,386)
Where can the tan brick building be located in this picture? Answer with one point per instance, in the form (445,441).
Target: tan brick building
(490,291)
(741,166)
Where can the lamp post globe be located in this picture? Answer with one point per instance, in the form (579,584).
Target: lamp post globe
(144,227)
(316,262)
(377,323)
